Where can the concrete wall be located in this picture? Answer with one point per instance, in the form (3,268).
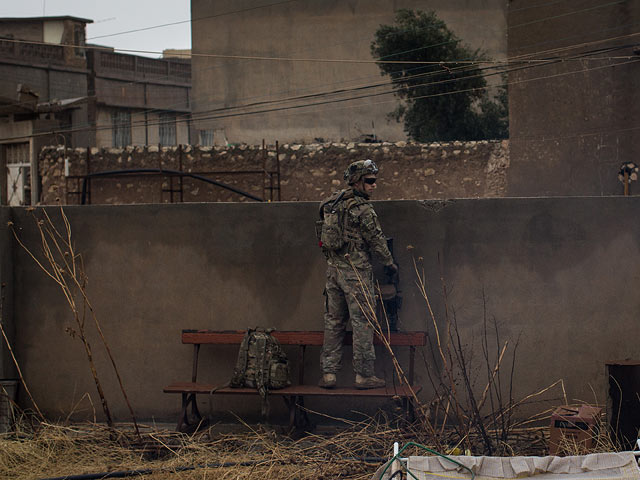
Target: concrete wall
(7,367)
(317,29)
(560,274)
(48,83)
(573,122)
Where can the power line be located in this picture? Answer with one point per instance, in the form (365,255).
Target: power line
(193,20)
(199,117)
(204,115)
(568,14)
(297,107)
(546,61)
(343,42)
(244,57)
(582,56)
(413,98)
(429,46)
(511,60)
(540,5)
(381,85)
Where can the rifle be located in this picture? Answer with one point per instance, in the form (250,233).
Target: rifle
(390,293)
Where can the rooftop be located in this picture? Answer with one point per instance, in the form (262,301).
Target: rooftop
(42,19)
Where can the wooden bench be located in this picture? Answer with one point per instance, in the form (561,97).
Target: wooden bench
(293,395)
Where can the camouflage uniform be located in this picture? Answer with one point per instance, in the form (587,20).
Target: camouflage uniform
(350,284)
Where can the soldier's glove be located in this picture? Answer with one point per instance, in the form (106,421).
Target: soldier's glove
(391,270)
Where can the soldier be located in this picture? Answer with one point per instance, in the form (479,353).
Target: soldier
(350,234)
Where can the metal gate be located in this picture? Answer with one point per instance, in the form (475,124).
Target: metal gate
(18,174)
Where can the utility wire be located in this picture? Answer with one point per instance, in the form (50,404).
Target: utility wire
(296,107)
(389,33)
(143,29)
(228,115)
(582,56)
(206,115)
(258,97)
(245,57)
(511,60)
(567,14)
(201,117)
(540,5)
(380,85)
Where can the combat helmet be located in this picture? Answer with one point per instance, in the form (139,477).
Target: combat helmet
(359,169)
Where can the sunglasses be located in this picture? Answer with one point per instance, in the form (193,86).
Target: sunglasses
(370,181)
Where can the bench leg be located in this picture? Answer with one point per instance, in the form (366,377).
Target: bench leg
(303,418)
(183,420)
(297,416)
(407,406)
(291,404)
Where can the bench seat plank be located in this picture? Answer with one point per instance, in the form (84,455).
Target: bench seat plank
(295,390)
(316,338)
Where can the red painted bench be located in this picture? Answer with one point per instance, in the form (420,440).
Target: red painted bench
(293,395)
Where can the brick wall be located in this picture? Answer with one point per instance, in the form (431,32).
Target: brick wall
(307,172)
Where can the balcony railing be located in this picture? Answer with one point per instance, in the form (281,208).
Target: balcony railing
(32,51)
(131,65)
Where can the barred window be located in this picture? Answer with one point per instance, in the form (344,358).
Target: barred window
(18,174)
(168,128)
(121,128)
(206,138)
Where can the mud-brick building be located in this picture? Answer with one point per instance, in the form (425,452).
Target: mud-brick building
(56,89)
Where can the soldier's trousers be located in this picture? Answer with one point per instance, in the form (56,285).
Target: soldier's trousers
(346,292)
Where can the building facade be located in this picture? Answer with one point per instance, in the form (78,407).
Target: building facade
(309,31)
(574,105)
(57,90)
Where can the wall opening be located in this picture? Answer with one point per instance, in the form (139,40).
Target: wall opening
(623,402)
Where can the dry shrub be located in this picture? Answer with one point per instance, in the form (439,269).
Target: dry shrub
(352,450)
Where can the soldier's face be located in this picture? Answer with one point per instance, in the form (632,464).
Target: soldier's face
(368,184)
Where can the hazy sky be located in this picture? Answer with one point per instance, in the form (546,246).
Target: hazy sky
(115,16)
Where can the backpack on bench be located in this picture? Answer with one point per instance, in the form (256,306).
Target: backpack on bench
(261,364)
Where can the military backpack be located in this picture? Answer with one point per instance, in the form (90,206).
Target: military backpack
(261,364)
(331,229)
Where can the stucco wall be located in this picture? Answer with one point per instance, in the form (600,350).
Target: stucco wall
(316,29)
(572,123)
(7,368)
(559,273)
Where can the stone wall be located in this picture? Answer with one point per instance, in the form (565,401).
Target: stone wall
(308,172)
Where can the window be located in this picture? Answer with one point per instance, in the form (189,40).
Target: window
(121,128)
(78,39)
(18,174)
(206,138)
(168,128)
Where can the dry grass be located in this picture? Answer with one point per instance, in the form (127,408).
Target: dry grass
(50,450)
(598,439)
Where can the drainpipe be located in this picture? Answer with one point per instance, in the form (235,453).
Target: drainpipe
(35,176)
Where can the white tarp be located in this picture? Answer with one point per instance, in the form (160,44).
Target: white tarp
(596,466)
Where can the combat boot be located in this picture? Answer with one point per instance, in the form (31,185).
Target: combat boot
(328,380)
(364,383)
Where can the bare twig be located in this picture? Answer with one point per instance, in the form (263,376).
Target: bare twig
(63,265)
(13,357)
